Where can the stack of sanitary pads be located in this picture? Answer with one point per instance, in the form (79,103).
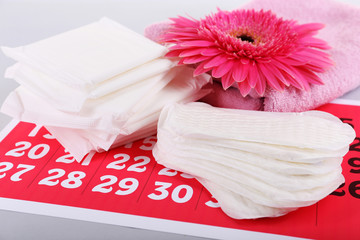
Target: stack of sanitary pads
(256,164)
(97,86)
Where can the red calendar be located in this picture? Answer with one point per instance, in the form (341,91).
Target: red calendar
(125,186)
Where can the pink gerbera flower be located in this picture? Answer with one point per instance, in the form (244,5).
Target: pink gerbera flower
(250,49)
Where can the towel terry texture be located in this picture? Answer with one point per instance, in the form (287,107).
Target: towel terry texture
(342,32)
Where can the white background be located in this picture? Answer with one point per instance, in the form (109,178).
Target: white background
(23,22)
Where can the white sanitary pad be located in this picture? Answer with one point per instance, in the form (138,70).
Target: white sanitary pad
(141,122)
(256,164)
(97,86)
(66,97)
(88,55)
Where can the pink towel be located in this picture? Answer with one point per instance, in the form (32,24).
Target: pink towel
(342,32)
(231,98)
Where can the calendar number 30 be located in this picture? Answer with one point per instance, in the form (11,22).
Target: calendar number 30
(175,195)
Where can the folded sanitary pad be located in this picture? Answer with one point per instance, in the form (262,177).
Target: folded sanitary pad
(66,97)
(256,164)
(88,55)
(97,86)
(140,121)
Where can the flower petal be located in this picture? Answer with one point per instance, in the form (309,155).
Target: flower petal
(291,60)
(299,78)
(253,76)
(283,67)
(197,43)
(177,47)
(318,57)
(308,29)
(173,53)
(261,84)
(291,75)
(179,37)
(244,88)
(222,69)
(210,52)
(240,71)
(200,69)
(181,61)
(185,22)
(216,61)
(227,81)
(314,60)
(315,68)
(303,79)
(270,78)
(191,52)
(279,75)
(291,80)
(195,59)
(180,30)
(174,34)
(311,77)
(314,42)
(244,60)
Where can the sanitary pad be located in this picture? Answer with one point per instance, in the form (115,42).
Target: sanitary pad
(66,97)
(97,86)
(256,164)
(88,55)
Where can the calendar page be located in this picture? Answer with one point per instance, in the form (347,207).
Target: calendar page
(125,186)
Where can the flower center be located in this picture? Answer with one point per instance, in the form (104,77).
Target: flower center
(244,37)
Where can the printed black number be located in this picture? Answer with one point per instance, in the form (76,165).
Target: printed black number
(356,145)
(348,121)
(338,191)
(354,189)
(354,162)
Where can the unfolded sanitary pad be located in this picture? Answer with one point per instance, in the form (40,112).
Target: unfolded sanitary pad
(97,86)
(256,164)
(342,32)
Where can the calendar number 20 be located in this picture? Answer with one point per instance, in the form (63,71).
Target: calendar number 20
(36,152)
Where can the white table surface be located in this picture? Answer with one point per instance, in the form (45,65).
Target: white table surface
(26,21)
